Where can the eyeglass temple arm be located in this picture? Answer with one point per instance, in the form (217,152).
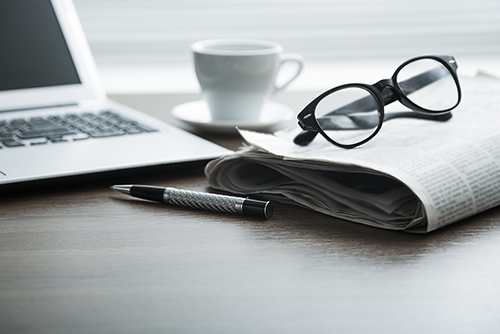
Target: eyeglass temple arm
(410,86)
(362,122)
(366,104)
(409,114)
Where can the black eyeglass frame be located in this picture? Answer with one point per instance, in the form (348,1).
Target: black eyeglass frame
(308,122)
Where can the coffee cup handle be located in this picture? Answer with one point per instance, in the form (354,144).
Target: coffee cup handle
(289,57)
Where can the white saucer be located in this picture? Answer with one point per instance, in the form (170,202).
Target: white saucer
(196,114)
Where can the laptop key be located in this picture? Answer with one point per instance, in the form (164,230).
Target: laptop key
(133,130)
(42,125)
(44,133)
(57,139)
(6,136)
(144,128)
(39,143)
(12,143)
(105,133)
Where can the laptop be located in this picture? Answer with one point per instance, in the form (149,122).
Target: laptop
(55,119)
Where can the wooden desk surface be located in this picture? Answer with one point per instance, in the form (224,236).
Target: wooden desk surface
(85,259)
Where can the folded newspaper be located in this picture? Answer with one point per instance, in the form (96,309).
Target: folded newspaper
(415,175)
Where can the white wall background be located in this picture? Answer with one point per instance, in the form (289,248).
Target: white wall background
(137,36)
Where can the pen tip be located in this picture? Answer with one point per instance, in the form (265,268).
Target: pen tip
(122,188)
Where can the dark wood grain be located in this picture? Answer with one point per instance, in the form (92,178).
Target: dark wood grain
(80,258)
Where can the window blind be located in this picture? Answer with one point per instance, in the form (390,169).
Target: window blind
(162,30)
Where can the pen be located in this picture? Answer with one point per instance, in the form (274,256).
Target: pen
(198,200)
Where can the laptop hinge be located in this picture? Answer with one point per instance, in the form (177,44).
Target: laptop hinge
(41,108)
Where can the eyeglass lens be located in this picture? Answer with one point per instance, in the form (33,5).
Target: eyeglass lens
(435,89)
(354,109)
(351,115)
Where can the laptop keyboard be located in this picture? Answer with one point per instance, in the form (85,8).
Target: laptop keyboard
(65,128)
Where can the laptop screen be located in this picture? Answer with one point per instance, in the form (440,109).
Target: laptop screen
(33,50)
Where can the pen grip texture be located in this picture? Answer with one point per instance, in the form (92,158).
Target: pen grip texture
(204,201)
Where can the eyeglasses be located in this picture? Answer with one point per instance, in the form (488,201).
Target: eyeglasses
(352,114)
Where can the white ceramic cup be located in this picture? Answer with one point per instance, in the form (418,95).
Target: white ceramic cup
(238,76)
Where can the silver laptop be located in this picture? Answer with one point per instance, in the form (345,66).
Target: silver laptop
(55,119)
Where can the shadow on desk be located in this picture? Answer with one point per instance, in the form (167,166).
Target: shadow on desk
(289,224)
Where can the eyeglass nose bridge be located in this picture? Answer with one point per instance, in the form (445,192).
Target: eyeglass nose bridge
(390,92)
(386,88)
(382,84)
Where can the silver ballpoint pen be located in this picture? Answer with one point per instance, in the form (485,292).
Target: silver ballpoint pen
(198,200)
